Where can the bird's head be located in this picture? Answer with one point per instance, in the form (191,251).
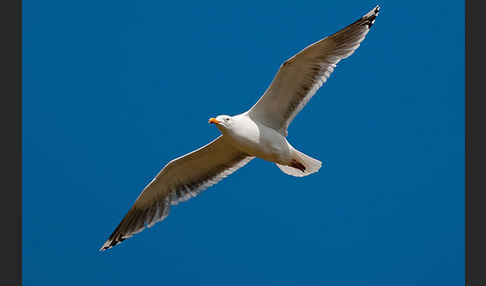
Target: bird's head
(223,122)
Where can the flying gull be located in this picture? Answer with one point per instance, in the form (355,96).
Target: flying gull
(259,132)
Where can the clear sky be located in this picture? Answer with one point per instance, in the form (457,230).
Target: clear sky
(113,90)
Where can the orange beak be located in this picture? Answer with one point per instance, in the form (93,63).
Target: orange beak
(213,120)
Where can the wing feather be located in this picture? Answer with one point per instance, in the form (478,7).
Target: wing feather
(299,78)
(180,180)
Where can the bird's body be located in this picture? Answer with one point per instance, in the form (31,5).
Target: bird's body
(259,132)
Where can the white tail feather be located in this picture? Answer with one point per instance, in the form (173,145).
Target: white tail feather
(311,165)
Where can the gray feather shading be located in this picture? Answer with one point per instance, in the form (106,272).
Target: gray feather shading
(299,78)
(180,180)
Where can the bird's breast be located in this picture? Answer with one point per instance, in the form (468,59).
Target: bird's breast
(260,141)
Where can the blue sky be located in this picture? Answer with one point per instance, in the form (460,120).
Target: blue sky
(113,90)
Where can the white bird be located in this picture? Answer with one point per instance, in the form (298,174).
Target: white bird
(259,132)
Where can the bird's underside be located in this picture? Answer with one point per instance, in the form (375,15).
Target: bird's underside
(297,80)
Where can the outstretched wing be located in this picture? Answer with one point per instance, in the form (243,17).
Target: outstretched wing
(179,180)
(299,78)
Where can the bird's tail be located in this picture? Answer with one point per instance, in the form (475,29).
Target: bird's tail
(301,165)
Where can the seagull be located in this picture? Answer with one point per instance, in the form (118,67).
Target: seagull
(259,132)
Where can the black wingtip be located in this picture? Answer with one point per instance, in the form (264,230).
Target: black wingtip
(112,241)
(106,246)
(369,18)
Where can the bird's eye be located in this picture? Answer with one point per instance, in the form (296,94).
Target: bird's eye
(226,119)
